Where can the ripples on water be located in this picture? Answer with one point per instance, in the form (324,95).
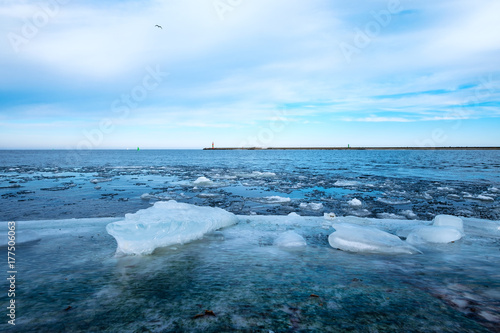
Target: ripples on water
(70,280)
(401,184)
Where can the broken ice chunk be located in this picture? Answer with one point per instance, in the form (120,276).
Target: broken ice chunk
(355,238)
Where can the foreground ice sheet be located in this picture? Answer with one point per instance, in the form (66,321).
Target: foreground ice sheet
(240,274)
(355,238)
(165,224)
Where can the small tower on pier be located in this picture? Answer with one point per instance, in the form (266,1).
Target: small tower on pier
(212,145)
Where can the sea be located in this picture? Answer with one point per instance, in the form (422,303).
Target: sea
(69,277)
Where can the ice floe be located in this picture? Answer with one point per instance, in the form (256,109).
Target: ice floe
(445,229)
(165,224)
(101,180)
(346,183)
(393,201)
(366,239)
(479,197)
(355,202)
(203,181)
(276,199)
(390,216)
(208,195)
(311,206)
(409,214)
(434,234)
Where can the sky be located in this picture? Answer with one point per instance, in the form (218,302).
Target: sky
(244,73)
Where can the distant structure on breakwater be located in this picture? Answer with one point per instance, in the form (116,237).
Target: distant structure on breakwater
(354,148)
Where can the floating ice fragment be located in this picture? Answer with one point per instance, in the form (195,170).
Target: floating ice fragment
(409,214)
(454,197)
(293,214)
(290,239)
(479,197)
(165,224)
(360,212)
(101,180)
(446,189)
(485,198)
(434,234)
(258,174)
(277,199)
(391,216)
(347,183)
(265,174)
(449,221)
(208,195)
(203,181)
(355,238)
(311,206)
(393,201)
(329,216)
(355,203)
(147,196)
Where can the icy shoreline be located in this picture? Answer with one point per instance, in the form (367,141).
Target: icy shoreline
(448,285)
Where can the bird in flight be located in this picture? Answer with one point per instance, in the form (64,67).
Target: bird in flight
(158,26)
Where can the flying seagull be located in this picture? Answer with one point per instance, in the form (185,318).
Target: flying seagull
(159,26)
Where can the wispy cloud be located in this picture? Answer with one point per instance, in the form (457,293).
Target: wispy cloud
(431,63)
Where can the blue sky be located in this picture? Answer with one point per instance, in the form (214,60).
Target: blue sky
(99,74)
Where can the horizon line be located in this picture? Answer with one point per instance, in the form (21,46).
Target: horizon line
(279,148)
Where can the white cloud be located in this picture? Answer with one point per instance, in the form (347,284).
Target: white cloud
(262,56)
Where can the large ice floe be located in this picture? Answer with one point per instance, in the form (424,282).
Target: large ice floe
(165,224)
(365,239)
(445,229)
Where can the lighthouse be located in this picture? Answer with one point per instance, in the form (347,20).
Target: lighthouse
(212,145)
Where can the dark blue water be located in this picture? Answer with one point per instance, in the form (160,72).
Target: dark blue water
(407,184)
(434,165)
